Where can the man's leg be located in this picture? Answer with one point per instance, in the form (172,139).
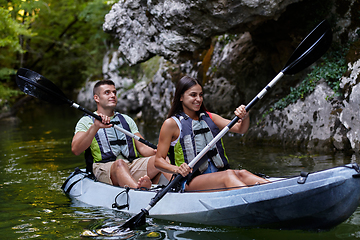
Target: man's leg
(120,176)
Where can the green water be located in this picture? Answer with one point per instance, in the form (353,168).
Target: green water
(35,159)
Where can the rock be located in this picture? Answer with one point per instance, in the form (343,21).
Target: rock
(150,100)
(304,123)
(317,123)
(85,96)
(219,94)
(168,27)
(237,73)
(349,117)
(158,96)
(235,48)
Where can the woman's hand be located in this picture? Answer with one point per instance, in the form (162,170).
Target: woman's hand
(184,170)
(241,113)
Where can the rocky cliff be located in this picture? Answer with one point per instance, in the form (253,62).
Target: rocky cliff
(236,48)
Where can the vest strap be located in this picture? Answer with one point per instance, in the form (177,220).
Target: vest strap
(118,142)
(89,161)
(172,155)
(201,131)
(211,153)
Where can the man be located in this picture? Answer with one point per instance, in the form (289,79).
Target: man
(115,155)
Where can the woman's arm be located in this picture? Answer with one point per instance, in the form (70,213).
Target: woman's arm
(168,133)
(240,127)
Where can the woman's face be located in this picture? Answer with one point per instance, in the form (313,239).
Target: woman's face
(192,98)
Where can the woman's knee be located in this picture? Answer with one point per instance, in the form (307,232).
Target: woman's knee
(232,179)
(243,173)
(230,173)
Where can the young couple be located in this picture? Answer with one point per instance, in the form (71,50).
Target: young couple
(187,130)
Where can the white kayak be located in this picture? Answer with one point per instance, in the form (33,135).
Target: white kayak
(318,200)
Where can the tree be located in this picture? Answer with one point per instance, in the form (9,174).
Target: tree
(11,48)
(62,40)
(70,44)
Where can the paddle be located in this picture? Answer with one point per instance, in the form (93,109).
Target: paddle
(40,87)
(308,51)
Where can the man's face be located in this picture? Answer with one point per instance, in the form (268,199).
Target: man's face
(106,96)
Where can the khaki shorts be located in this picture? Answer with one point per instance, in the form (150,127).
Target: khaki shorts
(138,169)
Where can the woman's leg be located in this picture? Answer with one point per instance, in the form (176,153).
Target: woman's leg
(215,181)
(249,178)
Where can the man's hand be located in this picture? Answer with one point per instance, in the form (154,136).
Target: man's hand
(104,123)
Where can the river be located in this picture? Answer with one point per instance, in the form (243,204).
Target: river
(35,160)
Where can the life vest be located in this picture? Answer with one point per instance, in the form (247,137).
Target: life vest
(111,143)
(194,136)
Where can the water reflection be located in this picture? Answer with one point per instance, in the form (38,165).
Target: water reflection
(35,160)
(158,229)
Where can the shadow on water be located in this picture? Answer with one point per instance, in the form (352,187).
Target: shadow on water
(35,160)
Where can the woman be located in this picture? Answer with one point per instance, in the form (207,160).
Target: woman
(187,130)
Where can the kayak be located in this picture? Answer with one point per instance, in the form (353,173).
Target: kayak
(318,200)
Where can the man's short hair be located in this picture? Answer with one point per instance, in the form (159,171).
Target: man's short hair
(100,83)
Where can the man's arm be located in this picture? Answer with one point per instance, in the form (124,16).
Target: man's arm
(143,149)
(83,139)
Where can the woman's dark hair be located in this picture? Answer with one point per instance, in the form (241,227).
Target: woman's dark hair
(100,83)
(184,84)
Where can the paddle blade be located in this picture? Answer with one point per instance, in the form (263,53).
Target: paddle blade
(38,86)
(310,49)
(134,222)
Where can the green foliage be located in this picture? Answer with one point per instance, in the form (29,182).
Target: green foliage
(10,46)
(227,38)
(151,66)
(142,71)
(71,43)
(62,40)
(331,69)
(7,95)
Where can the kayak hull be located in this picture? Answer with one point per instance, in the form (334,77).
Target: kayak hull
(325,199)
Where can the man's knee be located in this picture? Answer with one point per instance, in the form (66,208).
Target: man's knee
(119,163)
